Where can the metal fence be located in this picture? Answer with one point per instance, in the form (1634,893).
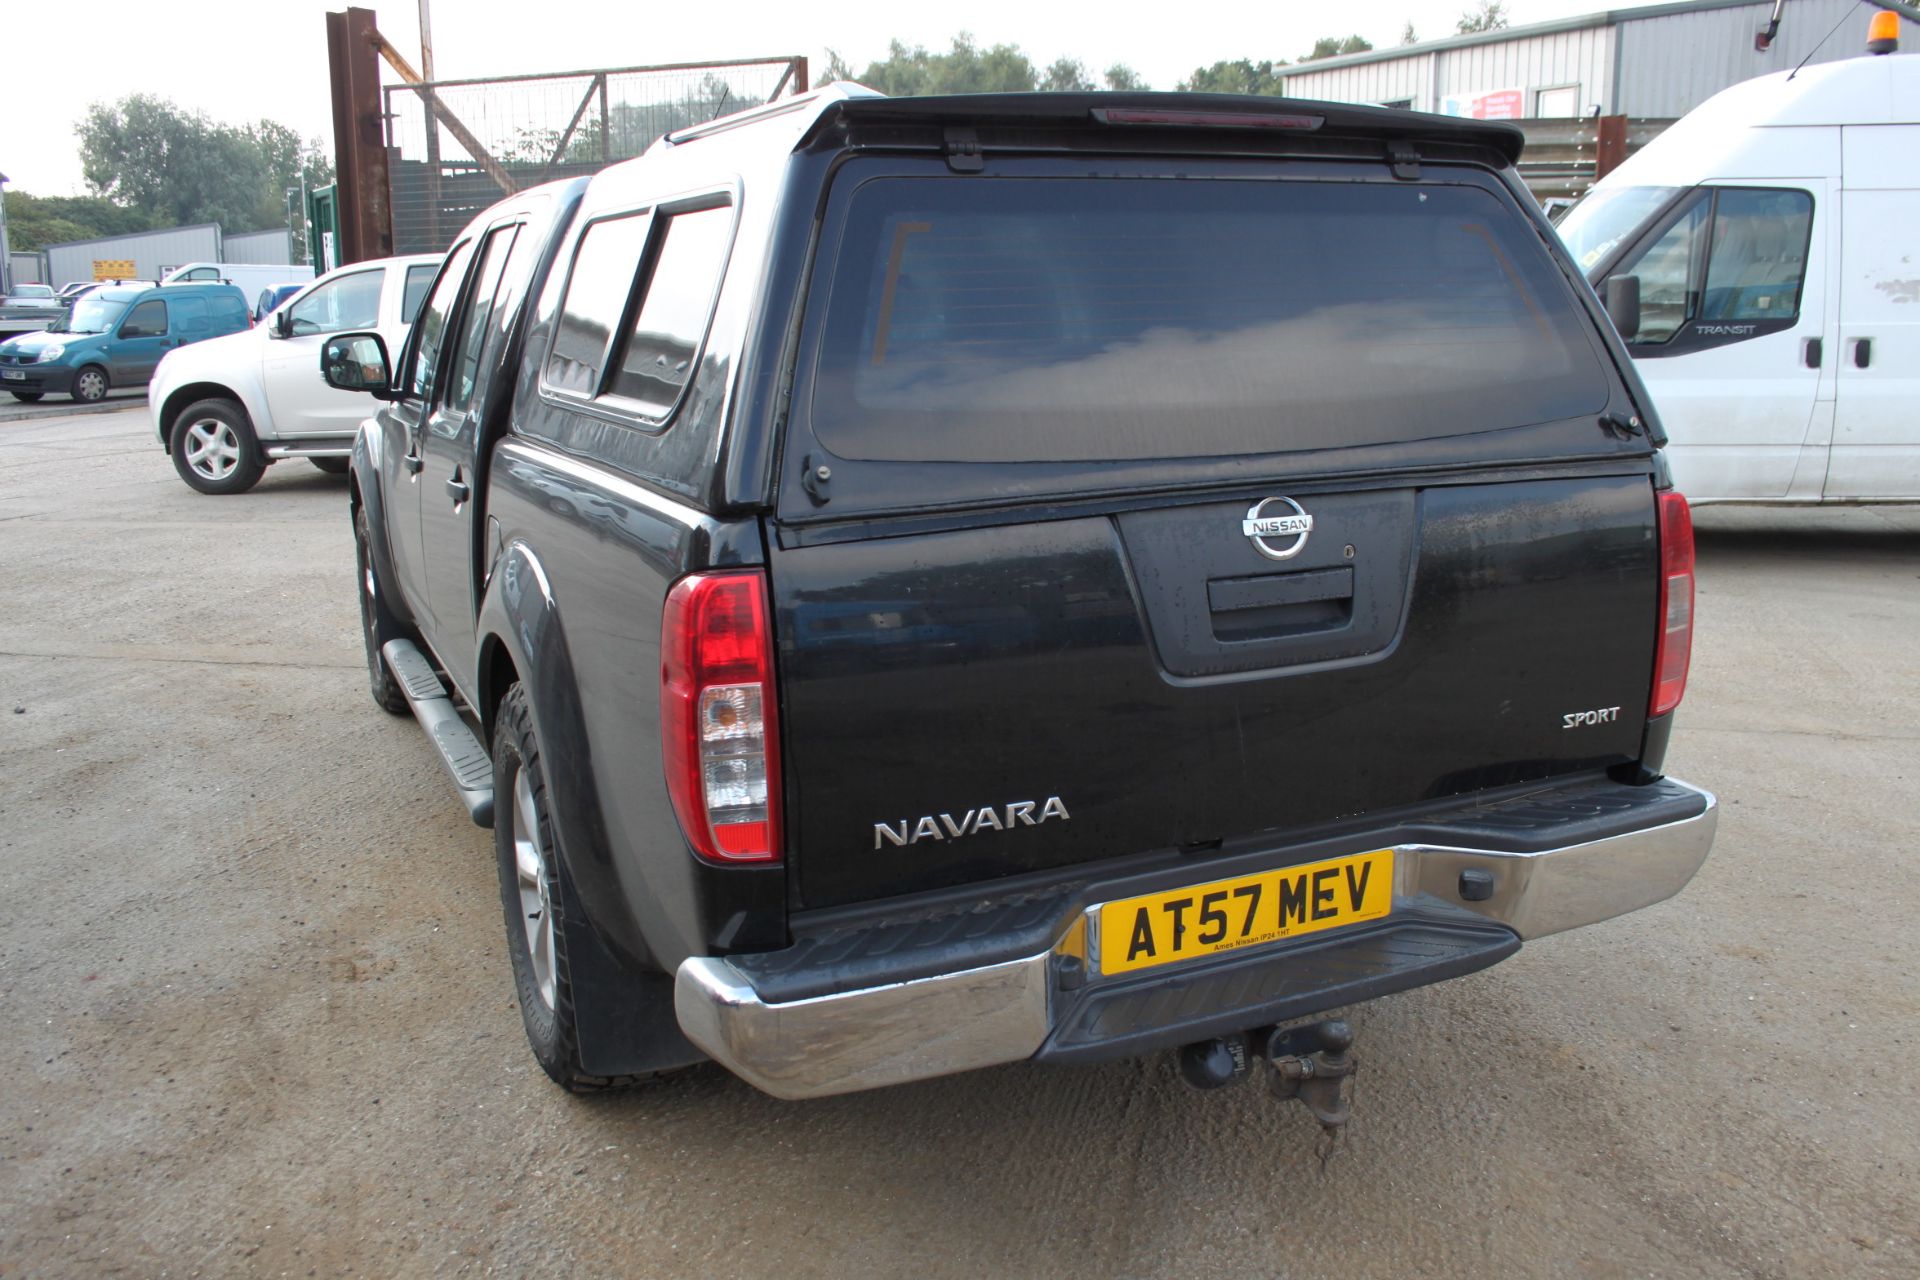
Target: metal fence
(1562,157)
(456,146)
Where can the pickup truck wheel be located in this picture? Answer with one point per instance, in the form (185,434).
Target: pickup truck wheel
(377,623)
(332,466)
(213,447)
(28,397)
(533,893)
(90,384)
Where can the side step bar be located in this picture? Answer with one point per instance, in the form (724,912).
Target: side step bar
(465,760)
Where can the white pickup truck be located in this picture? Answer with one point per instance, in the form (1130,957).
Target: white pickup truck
(227,408)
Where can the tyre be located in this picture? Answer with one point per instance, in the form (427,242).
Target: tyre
(28,397)
(332,466)
(533,893)
(213,447)
(377,623)
(90,384)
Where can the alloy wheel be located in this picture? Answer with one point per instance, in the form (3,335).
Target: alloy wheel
(213,448)
(536,893)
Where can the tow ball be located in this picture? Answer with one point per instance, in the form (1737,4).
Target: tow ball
(1312,1064)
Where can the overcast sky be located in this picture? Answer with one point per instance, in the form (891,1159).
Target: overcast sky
(239,60)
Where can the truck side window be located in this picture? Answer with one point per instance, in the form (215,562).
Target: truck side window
(431,329)
(348,302)
(419,276)
(1759,254)
(473,325)
(671,320)
(1670,272)
(596,298)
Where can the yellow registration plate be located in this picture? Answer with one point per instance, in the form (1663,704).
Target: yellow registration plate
(1159,928)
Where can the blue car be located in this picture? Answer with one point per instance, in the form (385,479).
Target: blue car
(271,298)
(115,337)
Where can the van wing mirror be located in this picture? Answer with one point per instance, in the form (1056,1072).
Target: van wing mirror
(282,323)
(357,362)
(1622,297)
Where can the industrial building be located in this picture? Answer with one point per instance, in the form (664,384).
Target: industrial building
(1657,61)
(148,255)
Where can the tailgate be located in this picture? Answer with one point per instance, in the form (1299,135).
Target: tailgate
(1045,597)
(1019,696)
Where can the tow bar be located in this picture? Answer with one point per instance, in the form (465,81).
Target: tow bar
(1311,1064)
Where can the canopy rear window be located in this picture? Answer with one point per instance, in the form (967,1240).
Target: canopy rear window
(1084,319)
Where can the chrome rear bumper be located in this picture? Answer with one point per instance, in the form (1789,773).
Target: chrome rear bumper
(978,1017)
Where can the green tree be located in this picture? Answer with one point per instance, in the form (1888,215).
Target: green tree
(1334,46)
(1488,15)
(178,167)
(34,222)
(1243,76)
(964,68)
(1066,75)
(1122,78)
(1408,35)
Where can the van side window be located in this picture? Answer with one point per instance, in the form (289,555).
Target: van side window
(671,320)
(1669,272)
(189,318)
(430,331)
(1734,255)
(596,298)
(229,313)
(1759,254)
(148,320)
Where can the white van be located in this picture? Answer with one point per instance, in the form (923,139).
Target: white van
(1773,236)
(252,277)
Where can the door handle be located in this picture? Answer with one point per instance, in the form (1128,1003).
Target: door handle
(411,461)
(1810,352)
(1862,352)
(457,487)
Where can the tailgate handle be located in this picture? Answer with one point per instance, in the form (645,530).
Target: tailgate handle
(1274,590)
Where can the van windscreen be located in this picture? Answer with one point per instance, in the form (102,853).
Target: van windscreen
(1082,319)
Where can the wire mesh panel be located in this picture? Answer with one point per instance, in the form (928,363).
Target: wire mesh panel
(456,146)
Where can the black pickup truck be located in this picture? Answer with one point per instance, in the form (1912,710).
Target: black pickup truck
(915,584)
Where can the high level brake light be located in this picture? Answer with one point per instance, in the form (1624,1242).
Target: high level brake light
(718,716)
(1674,650)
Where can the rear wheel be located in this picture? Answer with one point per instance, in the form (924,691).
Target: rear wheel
(90,384)
(534,894)
(377,623)
(28,397)
(332,466)
(214,449)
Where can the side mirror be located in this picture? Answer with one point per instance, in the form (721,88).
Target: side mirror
(1622,297)
(282,326)
(357,362)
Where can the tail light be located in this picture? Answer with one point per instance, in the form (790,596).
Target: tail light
(719,716)
(1675,648)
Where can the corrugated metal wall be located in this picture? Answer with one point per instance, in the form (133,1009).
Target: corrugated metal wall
(26,268)
(1672,63)
(1582,58)
(152,253)
(1548,61)
(1391,80)
(272,248)
(1667,63)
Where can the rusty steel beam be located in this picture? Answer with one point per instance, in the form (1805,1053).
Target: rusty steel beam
(461,134)
(1610,145)
(359,152)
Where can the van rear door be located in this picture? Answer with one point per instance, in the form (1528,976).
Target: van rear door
(1133,505)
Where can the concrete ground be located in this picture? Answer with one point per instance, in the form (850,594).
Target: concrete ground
(258,1017)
